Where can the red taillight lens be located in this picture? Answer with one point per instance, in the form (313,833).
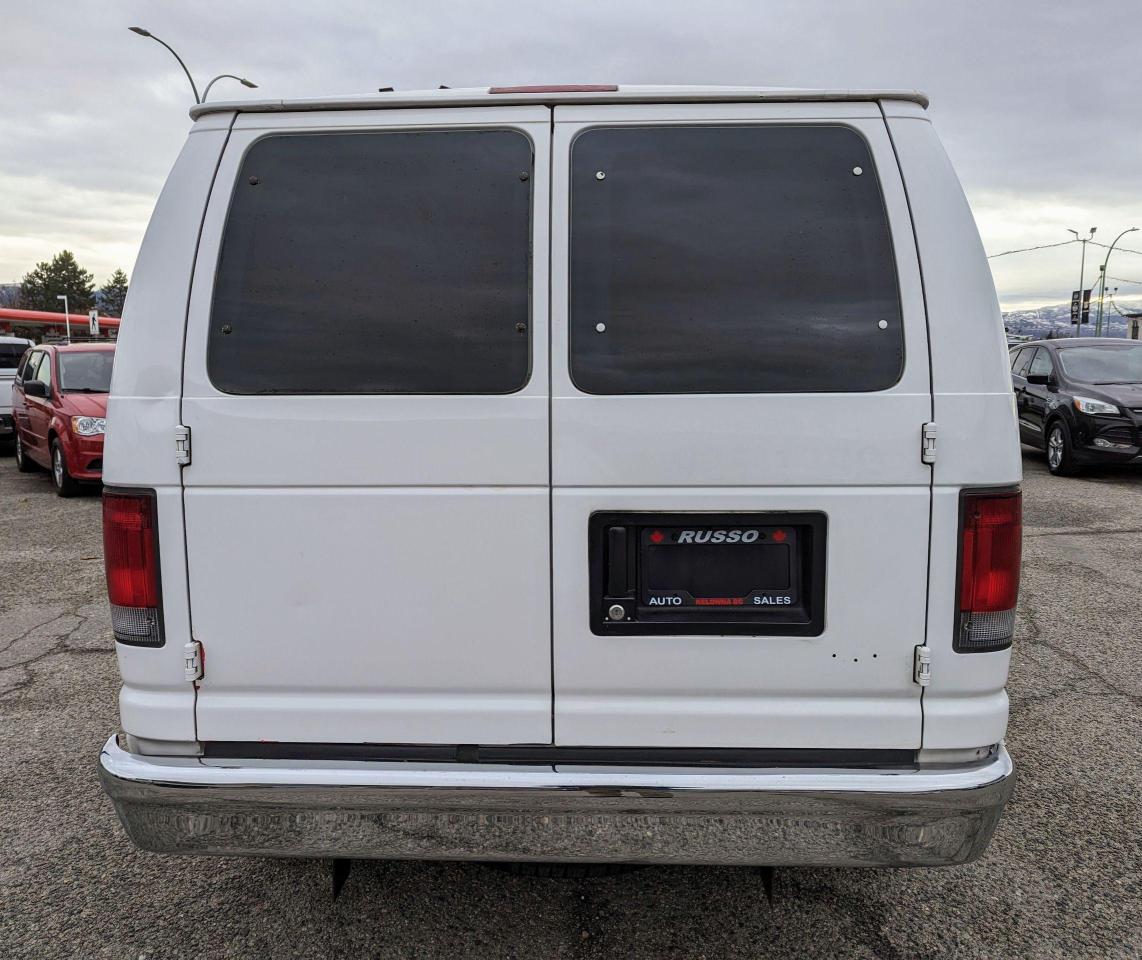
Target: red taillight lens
(991,543)
(129,553)
(131,560)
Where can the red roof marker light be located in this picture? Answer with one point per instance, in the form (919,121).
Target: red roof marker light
(559,88)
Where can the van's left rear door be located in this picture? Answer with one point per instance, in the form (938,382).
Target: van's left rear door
(366,385)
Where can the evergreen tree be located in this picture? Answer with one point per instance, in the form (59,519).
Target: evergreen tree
(113,294)
(40,287)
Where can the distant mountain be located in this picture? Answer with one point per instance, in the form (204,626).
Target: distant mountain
(1057,317)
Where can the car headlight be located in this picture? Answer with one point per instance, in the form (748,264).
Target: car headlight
(1087,405)
(88,426)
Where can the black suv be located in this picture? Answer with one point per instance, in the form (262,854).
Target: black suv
(1080,400)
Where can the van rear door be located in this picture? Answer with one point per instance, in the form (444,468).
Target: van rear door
(367,502)
(740,508)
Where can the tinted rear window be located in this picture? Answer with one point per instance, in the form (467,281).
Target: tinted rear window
(731,260)
(10,354)
(376,263)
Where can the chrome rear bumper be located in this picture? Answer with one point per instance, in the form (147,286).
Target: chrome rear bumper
(445,812)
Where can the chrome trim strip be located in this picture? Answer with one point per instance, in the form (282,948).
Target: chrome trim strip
(387,810)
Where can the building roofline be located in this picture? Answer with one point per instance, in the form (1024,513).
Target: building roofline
(482,96)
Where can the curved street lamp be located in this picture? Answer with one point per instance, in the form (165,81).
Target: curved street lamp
(1102,283)
(230,76)
(197,99)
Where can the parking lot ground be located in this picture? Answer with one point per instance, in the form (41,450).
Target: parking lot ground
(1061,879)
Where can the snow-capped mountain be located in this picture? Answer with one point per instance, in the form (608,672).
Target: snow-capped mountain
(1057,318)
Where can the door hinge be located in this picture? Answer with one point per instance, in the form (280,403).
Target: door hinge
(192,661)
(922,666)
(182,445)
(928,443)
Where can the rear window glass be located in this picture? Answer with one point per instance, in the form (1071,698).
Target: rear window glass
(10,354)
(731,260)
(395,262)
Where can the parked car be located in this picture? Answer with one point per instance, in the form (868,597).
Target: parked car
(1080,400)
(11,350)
(563,474)
(59,403)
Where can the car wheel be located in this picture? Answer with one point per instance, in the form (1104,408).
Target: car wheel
(1060,456)
(65,485)
(23,462)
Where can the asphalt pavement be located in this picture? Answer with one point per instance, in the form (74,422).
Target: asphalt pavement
(1062,877)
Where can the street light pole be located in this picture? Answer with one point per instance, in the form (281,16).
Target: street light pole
(66,314)
(147,33)
(227,76)
(1082,276)
(197,99)
(1102,285)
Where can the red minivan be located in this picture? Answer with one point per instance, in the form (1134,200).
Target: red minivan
(59,404)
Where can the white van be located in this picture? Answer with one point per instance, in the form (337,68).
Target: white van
(12,349)
(579,474)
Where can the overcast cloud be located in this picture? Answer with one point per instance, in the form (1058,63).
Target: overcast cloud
(1038,102)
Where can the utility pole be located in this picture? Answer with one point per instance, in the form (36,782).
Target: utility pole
(1082,275)
(1102,285)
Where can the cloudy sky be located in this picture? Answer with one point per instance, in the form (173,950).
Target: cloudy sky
(1038,101)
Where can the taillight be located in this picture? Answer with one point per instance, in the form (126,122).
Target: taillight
(991,541)
(131,559)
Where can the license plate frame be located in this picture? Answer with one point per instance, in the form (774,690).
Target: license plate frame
(624,558)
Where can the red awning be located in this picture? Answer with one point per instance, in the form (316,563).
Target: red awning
(47,318)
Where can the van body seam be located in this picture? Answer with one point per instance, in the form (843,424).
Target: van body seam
(931,390)
(182,392)
(550,417)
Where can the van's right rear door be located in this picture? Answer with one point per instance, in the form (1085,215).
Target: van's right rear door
(738,343)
